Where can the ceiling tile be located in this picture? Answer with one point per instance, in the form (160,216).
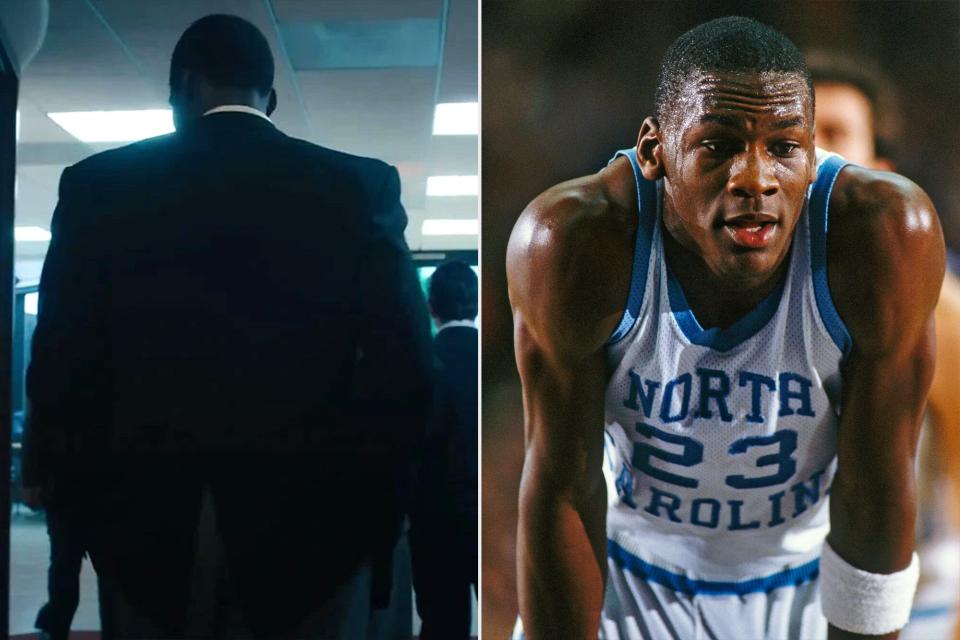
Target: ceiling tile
(311,10)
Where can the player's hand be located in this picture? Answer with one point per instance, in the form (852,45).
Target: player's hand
(33,497)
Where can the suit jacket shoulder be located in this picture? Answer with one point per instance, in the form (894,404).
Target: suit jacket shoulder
(373,181)
(453,343)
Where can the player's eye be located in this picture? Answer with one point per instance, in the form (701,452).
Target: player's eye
(721,146)
(784,149)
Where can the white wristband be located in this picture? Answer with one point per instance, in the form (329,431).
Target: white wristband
(861,602)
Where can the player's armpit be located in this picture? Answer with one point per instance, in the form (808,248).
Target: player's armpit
(885,268)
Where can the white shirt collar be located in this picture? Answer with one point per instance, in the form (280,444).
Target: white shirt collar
(241,108)
(457,323)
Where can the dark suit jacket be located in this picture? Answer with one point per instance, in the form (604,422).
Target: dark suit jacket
(446,495)
(232,307)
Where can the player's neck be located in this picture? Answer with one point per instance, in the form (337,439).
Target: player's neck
(716,301)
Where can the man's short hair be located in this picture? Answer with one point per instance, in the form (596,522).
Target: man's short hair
(453,292)
(726,44)
(831,67)
(863,75)
(227,50)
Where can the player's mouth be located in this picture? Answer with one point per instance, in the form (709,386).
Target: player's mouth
(752,232)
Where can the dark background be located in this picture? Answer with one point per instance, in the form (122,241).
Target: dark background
(566,83)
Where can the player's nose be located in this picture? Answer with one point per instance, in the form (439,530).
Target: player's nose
(752,175)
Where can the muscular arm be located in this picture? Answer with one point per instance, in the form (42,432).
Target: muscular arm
(565,306)
(561,544)
(886,264)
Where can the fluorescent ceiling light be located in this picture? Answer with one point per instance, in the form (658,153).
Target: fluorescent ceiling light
(453,186)
(115,126)
(31,302)
(31,234)
(456,119)
(451,227)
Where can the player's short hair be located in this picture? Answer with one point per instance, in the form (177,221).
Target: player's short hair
(732,43)
(227,50)
(452,292)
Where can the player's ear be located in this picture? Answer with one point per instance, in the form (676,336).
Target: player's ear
(650,149)
(272,102)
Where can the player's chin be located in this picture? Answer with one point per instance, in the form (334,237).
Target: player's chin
(752,265)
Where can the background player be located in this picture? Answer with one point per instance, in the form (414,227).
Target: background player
(732,144)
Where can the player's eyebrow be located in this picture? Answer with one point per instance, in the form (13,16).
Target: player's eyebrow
(786,123)
(738,123)
(717,118)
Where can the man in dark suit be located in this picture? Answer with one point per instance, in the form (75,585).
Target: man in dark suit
(229,317)
(443,532)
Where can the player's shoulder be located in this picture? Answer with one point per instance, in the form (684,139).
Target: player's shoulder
(570,252)
(567,221)
(885,249)
(885,220)
(869,201)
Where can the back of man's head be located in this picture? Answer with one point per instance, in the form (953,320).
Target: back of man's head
(453,292)
(730,44)
(227,51)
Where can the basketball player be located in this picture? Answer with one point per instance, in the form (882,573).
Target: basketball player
(715,332)
(848,105)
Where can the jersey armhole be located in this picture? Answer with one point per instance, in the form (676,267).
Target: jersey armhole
(647,200)
(819,224)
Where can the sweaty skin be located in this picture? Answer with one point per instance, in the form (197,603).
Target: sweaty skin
(740,157)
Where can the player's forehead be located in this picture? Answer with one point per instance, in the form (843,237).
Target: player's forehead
(746,97)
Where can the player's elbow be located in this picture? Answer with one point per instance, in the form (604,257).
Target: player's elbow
(548,490)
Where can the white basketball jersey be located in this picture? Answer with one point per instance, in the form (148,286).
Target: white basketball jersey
(721,443)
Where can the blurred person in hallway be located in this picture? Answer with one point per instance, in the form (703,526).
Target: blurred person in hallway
(230,327)
(849,99)
(444,520)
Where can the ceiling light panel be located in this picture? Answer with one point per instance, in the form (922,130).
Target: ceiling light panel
(451,227)
(456,119)
(115,126)
(31,234)
(453,186)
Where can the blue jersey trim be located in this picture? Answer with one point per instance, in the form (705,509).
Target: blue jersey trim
(691,587)
(647,207)
(925,613)
(819,222)
(716,338)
